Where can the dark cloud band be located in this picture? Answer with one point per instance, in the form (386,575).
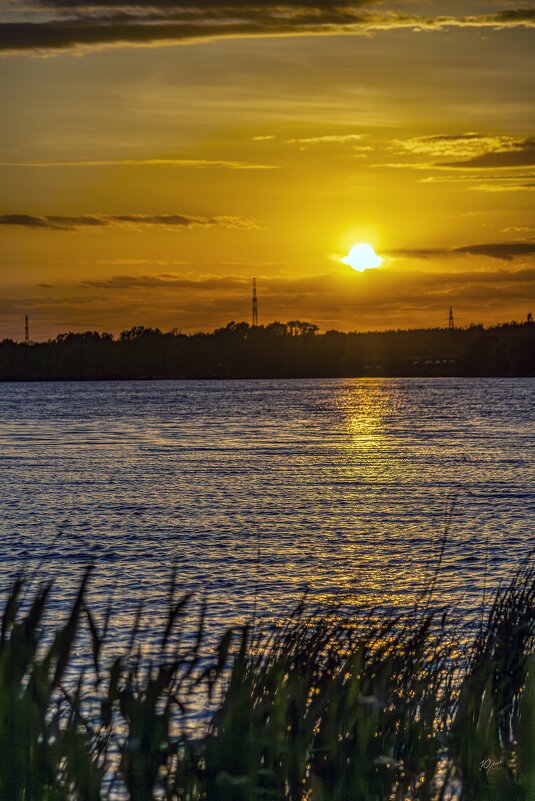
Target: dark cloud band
(52,222)
(504,251)
(163,21)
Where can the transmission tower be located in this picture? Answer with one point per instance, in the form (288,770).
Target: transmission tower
(26,330)
(255,305)
(451,324)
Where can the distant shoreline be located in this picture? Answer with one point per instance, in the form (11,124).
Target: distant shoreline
(236,379)
(278,351)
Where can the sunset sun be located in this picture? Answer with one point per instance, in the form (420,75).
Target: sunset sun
(362,257)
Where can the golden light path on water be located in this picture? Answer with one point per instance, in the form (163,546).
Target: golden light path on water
(365,415)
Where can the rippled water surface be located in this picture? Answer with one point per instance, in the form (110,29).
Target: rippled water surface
(260,488)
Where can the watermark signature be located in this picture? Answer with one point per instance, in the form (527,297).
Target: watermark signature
(490,763)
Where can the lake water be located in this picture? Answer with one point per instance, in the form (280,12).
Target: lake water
(258,489)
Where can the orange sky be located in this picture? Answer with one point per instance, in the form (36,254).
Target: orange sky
(154,159)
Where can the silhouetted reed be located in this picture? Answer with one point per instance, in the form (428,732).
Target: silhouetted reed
(328,706)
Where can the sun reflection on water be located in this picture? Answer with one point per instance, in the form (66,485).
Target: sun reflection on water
(373,446)
(364,407)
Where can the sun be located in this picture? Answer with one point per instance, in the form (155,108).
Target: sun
(362,257)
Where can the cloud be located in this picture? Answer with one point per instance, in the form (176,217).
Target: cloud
(195,8)
(475,177)
(166,281)
(486,182)
(194,163)
(498,187)
(329,139)
(471,150)
(463,144)
(517,153)
(357,149)
(504,251)
(85,24)
(53,222)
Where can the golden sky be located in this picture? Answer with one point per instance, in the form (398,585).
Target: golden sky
(154,158)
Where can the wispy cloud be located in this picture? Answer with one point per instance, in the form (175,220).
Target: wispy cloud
(500,181)
(518,229)
(329,139)
(193,163)
(501,187)
(470,150)
(54,222)
(166,281)
(461,145)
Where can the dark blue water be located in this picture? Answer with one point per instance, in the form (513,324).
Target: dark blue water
(260,488)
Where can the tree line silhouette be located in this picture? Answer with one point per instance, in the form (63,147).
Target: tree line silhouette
(283,350)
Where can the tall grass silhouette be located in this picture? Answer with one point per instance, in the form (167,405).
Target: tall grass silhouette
(328,706)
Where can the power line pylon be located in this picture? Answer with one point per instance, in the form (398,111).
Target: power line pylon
(26,330)
(451,324)
(255,305)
